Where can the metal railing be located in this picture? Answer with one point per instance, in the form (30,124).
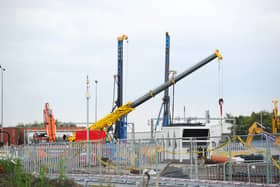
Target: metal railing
(193,158)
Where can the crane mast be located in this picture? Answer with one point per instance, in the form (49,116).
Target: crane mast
(120,128)
(166,98)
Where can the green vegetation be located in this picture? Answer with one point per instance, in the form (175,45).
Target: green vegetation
(12,175)
(244,122)
(42,124)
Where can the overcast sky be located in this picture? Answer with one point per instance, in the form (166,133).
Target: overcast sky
(49,47)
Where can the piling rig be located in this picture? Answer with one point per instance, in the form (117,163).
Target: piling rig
(110,119)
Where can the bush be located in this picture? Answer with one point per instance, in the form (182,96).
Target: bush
(12,175)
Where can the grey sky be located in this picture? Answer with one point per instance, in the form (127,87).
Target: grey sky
(48,48)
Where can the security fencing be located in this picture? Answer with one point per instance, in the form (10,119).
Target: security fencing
(200,158)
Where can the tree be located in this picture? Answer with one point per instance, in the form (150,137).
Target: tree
(244,122)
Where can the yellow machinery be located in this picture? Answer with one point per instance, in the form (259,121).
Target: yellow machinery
(275,119)
(257,128)
(113,117)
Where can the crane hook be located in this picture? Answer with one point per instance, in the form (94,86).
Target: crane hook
(221,102)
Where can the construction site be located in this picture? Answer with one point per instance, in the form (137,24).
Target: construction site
(173,150)
(176,152)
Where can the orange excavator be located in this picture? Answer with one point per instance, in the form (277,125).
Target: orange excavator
(49,123)
(50,129)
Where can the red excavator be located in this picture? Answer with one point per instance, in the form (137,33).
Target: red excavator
(50,128)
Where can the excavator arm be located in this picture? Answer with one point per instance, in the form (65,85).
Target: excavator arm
(255,129)
(49,123)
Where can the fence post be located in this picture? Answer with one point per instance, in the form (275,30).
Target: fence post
(195,160)
(118,157)
(87,156)
(156,156)
(100,156)
(229,158)
(267,160)
(249,178)
(191,155)
(180,149)
(139,156)
(224,171)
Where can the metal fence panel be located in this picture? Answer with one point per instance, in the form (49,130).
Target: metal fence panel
(197,158)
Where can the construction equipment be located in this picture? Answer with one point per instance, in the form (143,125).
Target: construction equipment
(49,123)
(121,127)
(123,110)
(50,128)
(166,98)
(275,119)
(257,128)
(40,137)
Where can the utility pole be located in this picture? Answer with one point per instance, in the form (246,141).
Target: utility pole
(96,100)
(87,98)
(2,96)
(184,113)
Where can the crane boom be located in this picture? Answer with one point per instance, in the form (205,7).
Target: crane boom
(111,118)
(177,78)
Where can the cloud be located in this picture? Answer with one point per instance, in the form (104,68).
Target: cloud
(49,47)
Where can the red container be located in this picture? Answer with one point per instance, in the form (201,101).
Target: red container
(13,134)
(21,136)
(81,135)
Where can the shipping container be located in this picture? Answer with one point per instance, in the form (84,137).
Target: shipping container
(19,134)
(14,134)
